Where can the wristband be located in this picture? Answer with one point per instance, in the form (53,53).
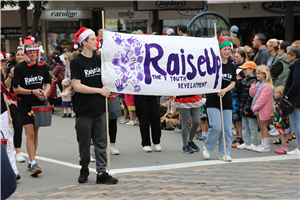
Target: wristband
(31,92)
(10,76)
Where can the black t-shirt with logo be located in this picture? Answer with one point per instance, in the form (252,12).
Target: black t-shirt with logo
(213,100)
(30,78)
(88,71)
(3,104)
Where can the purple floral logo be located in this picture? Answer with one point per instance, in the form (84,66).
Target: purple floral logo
(128,63)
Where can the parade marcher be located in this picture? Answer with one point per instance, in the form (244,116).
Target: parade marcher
(89,105)
(29,79)
(5,120)
(13,106)
(214,109)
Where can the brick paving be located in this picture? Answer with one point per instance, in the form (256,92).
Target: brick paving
(255,180)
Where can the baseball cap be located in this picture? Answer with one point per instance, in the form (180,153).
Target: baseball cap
(248,64)
(234,29)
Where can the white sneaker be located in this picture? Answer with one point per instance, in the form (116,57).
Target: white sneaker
(205,153)
(131,123)
(147,149)
(257,147)
(20,158)
(295,152)
(274,132)
(229,159)
(73,115)
(264,149)
(114,150)
(157,147)
(242,146)
(250,147)
(124,120)
(92,159)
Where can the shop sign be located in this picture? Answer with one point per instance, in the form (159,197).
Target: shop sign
(193,12)
(167,5)
(66,14)
(279,7)
(125,14)
(10,31)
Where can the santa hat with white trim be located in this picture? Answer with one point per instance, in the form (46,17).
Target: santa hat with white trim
(31,45)
(81,35)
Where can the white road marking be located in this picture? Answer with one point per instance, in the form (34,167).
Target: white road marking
(173,166)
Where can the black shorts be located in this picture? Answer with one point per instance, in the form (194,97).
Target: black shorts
(26,119)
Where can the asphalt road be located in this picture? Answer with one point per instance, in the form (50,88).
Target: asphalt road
(58,155)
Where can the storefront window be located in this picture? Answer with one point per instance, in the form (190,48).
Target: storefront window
(61,33)
(126,26)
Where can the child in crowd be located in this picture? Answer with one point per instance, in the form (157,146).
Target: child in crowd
(249,122)
(280,120)
(129,99)
(66,97)
(52,95)
(171,116)
(262,105)
(203,122)
(125,119)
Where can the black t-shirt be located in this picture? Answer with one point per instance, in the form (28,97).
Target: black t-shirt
(3,104)
(213,100)
(88,71)
(30,78)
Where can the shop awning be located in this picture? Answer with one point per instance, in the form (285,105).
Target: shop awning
(238,1)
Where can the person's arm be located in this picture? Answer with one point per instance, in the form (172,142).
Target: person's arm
(276,70)
(36,92)
(227,89)
(9,77)
(296,83)
(81,88)
(252,89)
(47,89)
(8,111)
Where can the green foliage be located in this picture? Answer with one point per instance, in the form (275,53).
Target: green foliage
(16,3)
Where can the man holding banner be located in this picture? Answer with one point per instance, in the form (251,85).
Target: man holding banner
(89,103)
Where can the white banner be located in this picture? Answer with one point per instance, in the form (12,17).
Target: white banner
(160,65)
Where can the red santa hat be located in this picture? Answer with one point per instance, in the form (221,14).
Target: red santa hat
(29,45)
(81,35)
(3,56)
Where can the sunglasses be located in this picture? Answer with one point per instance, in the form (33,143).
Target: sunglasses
(32,51)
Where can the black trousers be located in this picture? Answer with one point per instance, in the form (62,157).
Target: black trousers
(148,112)
(18,128)
(112,124)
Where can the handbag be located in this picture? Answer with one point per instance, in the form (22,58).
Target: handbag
(286,106)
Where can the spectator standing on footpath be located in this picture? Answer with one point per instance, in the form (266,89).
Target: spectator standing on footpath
(262,56)
(90,107)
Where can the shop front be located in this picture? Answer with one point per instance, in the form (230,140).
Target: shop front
(126,21)
(61,26)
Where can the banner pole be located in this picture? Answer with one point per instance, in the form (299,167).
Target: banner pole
(221,107)
(106,110)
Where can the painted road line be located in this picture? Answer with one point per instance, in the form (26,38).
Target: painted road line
(172,166)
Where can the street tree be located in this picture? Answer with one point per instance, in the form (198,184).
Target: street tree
(23,5)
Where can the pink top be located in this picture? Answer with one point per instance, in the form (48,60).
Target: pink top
(129,99)
(264,103)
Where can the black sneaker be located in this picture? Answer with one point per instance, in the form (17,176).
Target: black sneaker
(18,177)
(241,141)
(84,173)
(35,170)
(69,115)
(105,178)
(65,115)
(194,146)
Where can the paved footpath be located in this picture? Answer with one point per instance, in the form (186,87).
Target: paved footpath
(236,180)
